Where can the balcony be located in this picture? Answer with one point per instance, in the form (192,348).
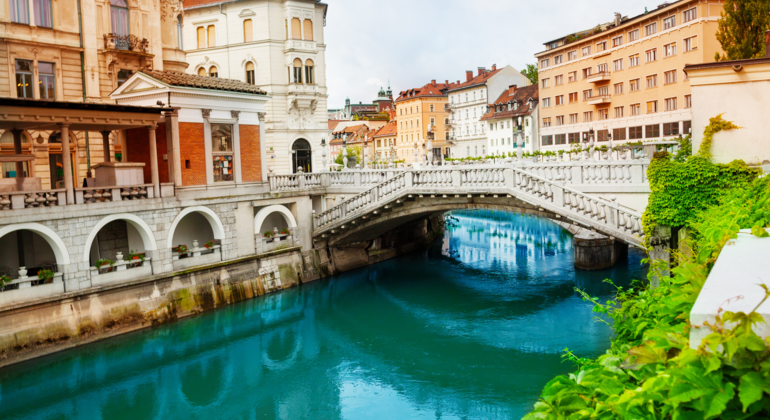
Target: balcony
(300,45)
(602,76)
(599,99)
(126,43)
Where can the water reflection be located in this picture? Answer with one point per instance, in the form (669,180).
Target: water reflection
(470,329)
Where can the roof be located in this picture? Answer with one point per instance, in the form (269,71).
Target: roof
(84,106)
(522,96)
(333,124)
(175,78)
(733,63)
(431,89)
(478,80)
(390,129)
(194,4)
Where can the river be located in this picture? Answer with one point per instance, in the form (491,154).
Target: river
(471,329)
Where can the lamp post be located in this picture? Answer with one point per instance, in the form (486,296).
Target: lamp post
(520,135)
(344,154)
(365,151)
(416,164)
(429,153)
(588,139)
(323,153)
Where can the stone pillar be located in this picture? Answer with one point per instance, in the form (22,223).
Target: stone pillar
(594,251)
(106,144)
(67,162)
(660,254)
(172,122)
(154,161)
(262,145)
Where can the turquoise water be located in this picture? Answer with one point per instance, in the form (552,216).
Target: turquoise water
(471,329)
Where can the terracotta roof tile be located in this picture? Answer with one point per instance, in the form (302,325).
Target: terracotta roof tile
(333,124)
(521,95)
(428,90)
(389,129)
(175,78)
(478,80)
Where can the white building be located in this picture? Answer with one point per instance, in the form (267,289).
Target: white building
(278,46)
(468,103)
(511,121)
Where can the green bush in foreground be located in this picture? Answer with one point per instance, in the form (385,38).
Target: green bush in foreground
(650,372)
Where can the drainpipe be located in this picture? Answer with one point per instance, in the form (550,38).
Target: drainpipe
(83,84)
(227,39)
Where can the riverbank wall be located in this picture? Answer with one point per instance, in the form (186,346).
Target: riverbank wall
(49,325)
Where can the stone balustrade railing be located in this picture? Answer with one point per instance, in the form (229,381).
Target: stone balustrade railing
(32,199)
(116,193)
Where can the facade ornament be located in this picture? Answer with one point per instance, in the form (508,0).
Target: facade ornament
(235,114)
(261,116)
(170,9)
(206,113)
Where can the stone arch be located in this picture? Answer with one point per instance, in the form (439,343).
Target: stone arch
(53,239)
(216,225)
(263,213)
(148,238)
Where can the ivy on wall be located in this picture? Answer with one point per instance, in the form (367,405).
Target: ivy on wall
(715,125)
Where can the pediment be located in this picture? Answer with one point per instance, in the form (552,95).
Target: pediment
(246,12)
(137,83)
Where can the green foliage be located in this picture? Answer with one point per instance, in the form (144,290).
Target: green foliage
(352,151)
(268,234)
(742,27)
(685,149)
(182,249)
(45,275)
(715,125)
(650,371)
(102,262)
(132,255)
(531,73)
(4,279)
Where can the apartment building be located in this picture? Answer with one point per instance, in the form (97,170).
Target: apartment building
(384,142)
(468,103)
(511,121)
(417,110)
(625,78)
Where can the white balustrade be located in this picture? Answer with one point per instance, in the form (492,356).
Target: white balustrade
(15,200)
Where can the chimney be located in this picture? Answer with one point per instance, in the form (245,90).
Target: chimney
(617,19)
(482,70)
(767,44)
(511,89)
(468,75)
(458,82)
(446,82)
(494,67)
(433,82)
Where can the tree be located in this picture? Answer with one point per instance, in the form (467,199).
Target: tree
(742,27)
(352,151)
(531,73)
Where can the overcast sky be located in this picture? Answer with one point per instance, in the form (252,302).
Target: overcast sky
(411,42)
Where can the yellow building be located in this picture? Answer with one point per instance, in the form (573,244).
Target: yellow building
(384,142)
(416,111)
(626,78)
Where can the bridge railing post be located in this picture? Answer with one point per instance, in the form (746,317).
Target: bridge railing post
(577,173)
(457,178)
(637,173)
(508,177)
(558,194)
(357,179)
(325,179)
(301,181)
(408,179)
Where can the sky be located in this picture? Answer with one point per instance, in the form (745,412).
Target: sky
(411,42)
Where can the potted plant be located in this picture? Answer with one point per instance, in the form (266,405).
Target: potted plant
(102,262)
(45,276)
(285,231)
(209,245)
(4,280)
(182,249)
(268,234)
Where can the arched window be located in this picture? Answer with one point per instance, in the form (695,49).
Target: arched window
(297,70)
(309,72)
(213,71)
(248,31)
(201,37)
(296,29)
(119,17)
(250,73)
(201,71)
(308,27)
(212,32)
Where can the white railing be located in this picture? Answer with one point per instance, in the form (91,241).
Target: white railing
(116,193)
(120,265)
(32,199)
(30,281)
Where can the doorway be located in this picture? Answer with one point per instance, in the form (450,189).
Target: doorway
(301,156)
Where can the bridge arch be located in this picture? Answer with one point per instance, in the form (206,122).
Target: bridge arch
(269,213)
(191,220)
(58,246)
(135,226)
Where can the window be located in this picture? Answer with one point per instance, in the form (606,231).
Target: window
(669,50)
(544,82)
(586,51)
(250,73)
(561,139)
(633,35)
(587,94)
(545,63)
(24,79)
(571,55)
(560,100)
(602,135)
(558,59)
(547,122)
(212,36)
(618,64)
(652,107)
(651,55)
(619,134)
(307,26)
(573,118)
(671,104)
(431,108)
(688,101)
(19,12)
(618,111)
(633,85)
(296,29)
(547,140)
(560,120)
(573,97)
(669,77)
(572,76)
(671,129)
(42,13)
(636,109)
(297,71)
(669,22)
(559,80)
(604,114)
(46,81)
(248,31)
(652,81)
(602,68)
(586,72)
(689,14)
(687,127)
(119,17)
(651,131)
(603,91)
(633,60)
(651,29)
(433,121)
(617,41)
(634,133)
(574,138)
(202,72)
(690,44)
(201,37)
(214,71)
(601,46)
(222,149)
(124,74)
(310,72)
(618,88)
(588,116)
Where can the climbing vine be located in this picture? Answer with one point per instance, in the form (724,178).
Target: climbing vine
(715,125)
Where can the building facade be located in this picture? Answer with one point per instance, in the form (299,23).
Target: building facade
(417,110)
(384,142)
(511,121)
(278,46)
(468,103)
(625,79)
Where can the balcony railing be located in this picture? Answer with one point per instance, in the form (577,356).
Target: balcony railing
(599,99)
(133,43)
(294,45)
(601,76)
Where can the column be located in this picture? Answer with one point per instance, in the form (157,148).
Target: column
(17,151)
(172,122)
(154,161)
(262,146)
(106,144)
(67,162)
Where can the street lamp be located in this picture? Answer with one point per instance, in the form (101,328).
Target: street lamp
(520,135)
(429,153)
(365,152)
(344,154)
(588,139)
(323,152)
(415,154)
